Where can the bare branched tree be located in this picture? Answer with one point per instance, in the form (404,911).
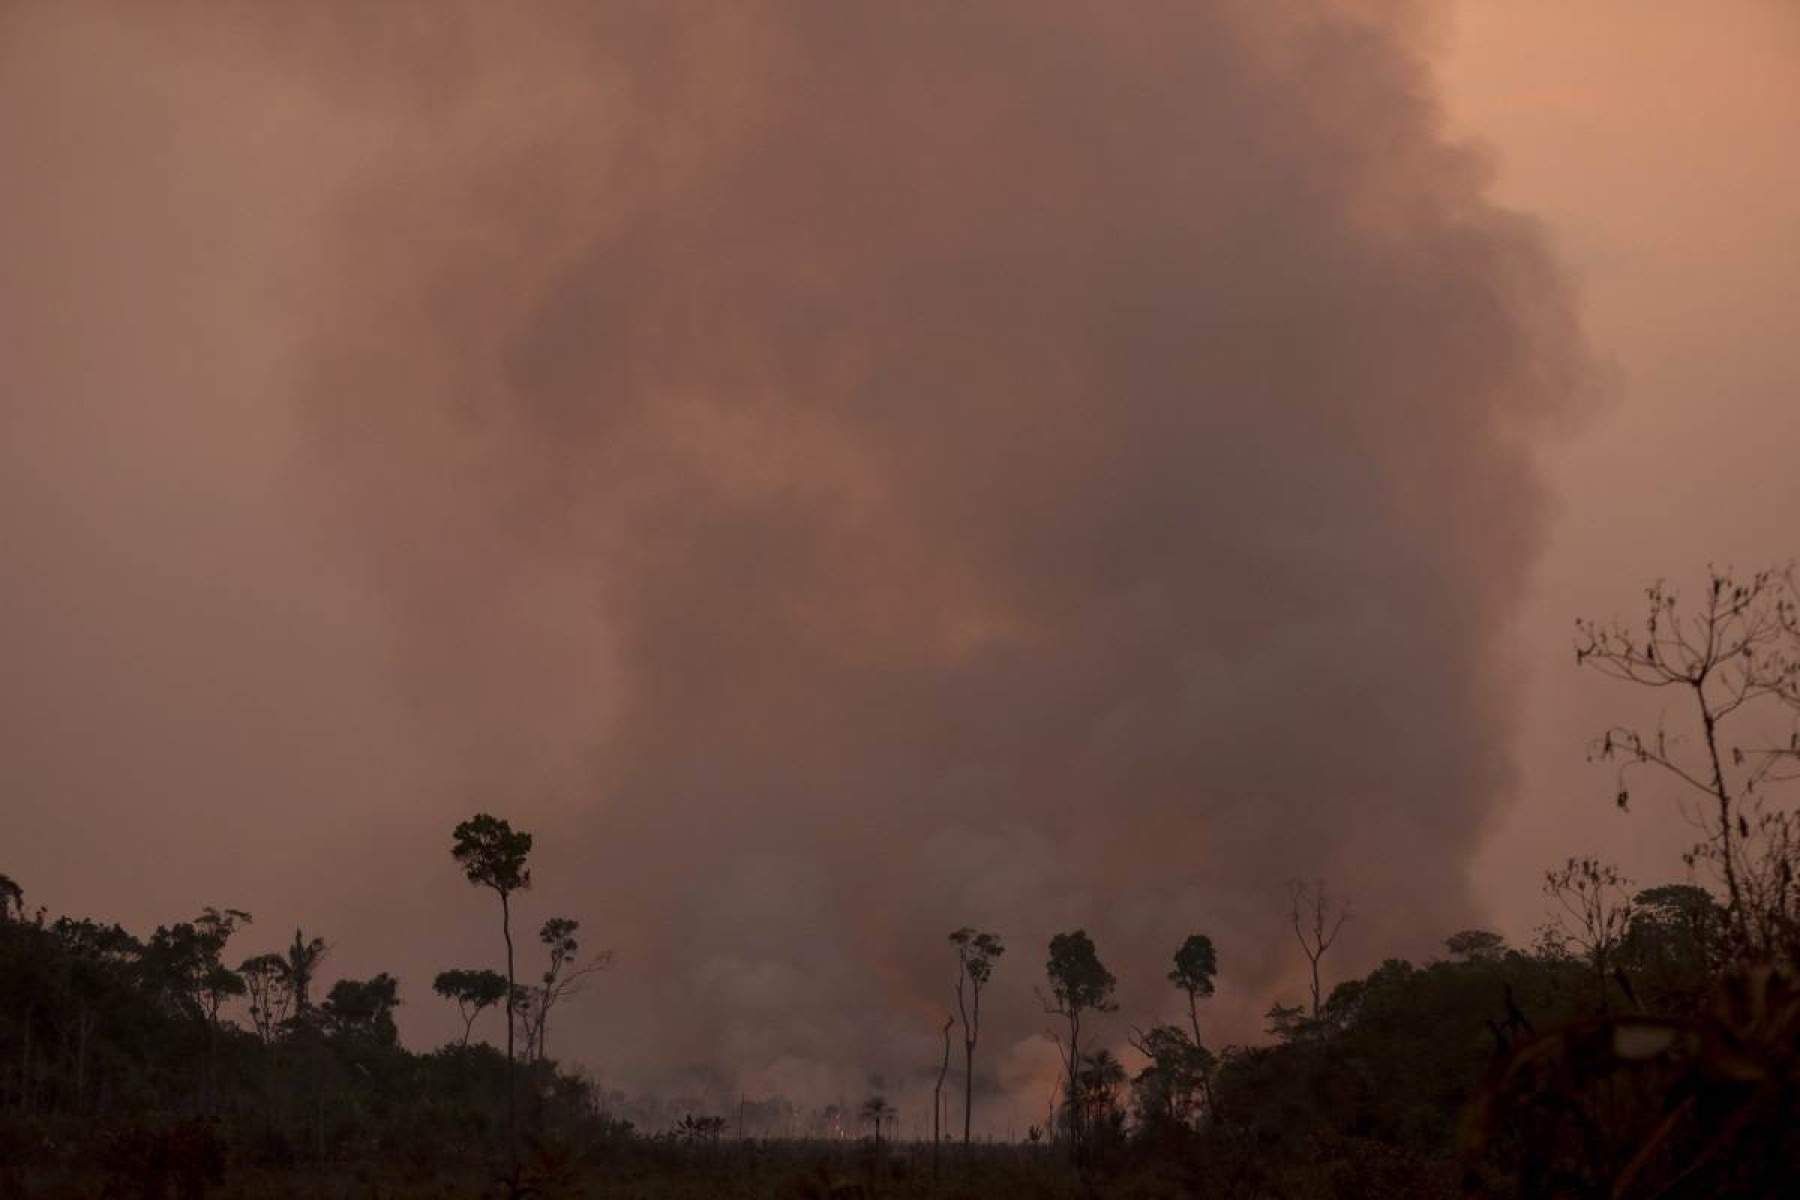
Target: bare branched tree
(1596,910)
(561,980)
(270,1000)
(1733,661)
(1317,920)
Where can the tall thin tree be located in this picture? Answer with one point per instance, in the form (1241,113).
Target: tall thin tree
(1196,964)
(1079,984)
(937,1095)
(975,957)
(492,854)
(299,967)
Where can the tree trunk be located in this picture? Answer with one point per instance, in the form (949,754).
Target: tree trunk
(968,1086)
(1727,854)
(512,1084)
(1074,1086)
(937,1098)
(25,1065)
(84,1028)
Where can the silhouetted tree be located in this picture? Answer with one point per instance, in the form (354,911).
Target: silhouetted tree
(560,980)
(876,1112)
(1079,984)
(1734,658)
(1595,914)
(700,1131)
(1174,1087)
(364,1008)
(1097,1084)
(96,961)
(300,964)
(1196,965)
(937,1093)
(473,991)
(975,957)
(263,977)
(493,856)
(12,900)
(1316,923)
(183,962)
(1475,945)
(1675,943)
(184,966)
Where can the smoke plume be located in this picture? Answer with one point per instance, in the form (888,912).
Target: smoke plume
(840,472)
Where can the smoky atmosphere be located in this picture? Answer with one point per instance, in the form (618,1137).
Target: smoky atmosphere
(806,598)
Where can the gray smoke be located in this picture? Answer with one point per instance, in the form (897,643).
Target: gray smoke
(841,472)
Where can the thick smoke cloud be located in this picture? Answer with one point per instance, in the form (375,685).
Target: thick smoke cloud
(841,472)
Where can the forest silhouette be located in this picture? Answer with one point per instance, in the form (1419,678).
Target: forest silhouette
(1647,1043)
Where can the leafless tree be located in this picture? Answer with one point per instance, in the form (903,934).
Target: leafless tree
(1596,911)
(1317,920)
(562,979)
(1732,660)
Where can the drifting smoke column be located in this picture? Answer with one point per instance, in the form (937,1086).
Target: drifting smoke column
(857,470)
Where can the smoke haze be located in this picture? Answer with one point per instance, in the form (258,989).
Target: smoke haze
(835,472)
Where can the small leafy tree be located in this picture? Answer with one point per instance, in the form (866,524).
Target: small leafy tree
(976,954)
(364,1008)
(562,979)
(1475,945)
(473,991)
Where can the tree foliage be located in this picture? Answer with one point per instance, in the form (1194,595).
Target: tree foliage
(473,991)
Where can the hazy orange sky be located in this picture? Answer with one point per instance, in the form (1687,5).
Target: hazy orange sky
(1655,140)
(839,473)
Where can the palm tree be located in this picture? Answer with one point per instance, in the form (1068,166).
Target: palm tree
(875,1111)
(298,968)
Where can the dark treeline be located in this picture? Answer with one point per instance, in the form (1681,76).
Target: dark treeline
(121,1055)
(1646,1043)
